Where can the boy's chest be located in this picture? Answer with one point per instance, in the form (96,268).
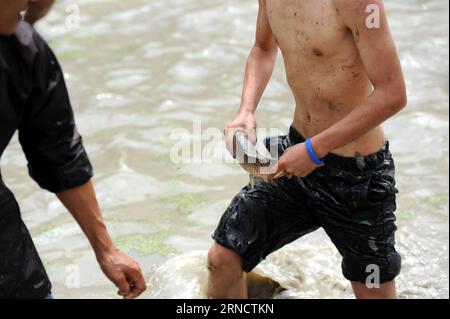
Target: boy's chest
(309,27)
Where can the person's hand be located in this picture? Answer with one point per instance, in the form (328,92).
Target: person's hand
(295,161)
(243,121)
(124,272)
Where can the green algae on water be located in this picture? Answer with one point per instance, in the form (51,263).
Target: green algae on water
(145,244)
(185,203)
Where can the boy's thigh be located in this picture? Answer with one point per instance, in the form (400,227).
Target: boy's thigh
(366,241)
(262,219)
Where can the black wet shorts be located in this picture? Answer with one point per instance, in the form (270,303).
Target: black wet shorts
(353,199)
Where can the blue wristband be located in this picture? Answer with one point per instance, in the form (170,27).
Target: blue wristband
(311,153)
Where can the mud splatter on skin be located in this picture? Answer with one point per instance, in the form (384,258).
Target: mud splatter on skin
(347,67)
(332,106)
(317,52)
(335,106)
(357,35)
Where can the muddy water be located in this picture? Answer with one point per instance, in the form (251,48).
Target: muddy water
(138,69)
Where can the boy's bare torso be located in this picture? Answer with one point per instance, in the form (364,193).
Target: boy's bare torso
(323,67)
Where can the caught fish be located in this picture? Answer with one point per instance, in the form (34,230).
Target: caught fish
(251,160)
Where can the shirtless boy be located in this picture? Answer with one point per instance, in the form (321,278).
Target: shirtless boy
(335,169)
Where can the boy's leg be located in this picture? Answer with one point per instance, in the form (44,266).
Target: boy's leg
(259,221)
(358,214)
(386,291)
(227,279)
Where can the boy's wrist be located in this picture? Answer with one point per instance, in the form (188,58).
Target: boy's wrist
(320,148)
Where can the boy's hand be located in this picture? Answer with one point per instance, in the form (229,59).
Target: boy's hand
(245,121)
(295,161)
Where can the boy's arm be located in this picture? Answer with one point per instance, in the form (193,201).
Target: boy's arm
(378,53)
(260,63)
(37,10)
(259,68)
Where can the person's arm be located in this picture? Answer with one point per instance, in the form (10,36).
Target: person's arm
(259,69)
(260,63)
(37,10)
(58,161)
(379,55)
(82,203)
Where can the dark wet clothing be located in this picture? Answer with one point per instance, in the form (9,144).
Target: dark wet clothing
(34,101)
(352,199)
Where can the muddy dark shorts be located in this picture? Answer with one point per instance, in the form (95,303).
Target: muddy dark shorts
(353,199)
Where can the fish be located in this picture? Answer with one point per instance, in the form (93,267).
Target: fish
(255,163)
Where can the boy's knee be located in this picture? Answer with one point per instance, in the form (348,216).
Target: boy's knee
(221,259)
